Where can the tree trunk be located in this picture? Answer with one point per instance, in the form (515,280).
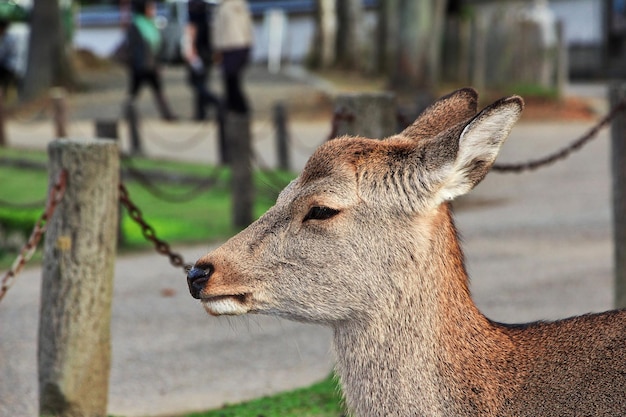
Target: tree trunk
(417,60)
(323,53)
(388,32)
(49,61)
(349,34)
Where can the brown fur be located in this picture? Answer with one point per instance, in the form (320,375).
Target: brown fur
(364,242)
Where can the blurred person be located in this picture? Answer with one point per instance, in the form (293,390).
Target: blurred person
(198,52)
(9,73)
(144,43)
(232,40)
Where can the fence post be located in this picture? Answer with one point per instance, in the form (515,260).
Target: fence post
(372,115)
(3,136)
(282,136)
(239,147)
(132,118)
(74,350)
(59,111)
(106,129)
(617,93)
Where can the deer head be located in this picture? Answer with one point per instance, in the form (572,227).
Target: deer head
(343,237)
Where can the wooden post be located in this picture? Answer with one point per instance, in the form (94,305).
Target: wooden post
(59,111)
(74,352)
(3,137)
(239,145)
(282,136)
(372,115)
(106,129)
(617,93)
(132,118)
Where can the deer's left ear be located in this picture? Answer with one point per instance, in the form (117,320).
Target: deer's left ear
(448,111)
(479,143)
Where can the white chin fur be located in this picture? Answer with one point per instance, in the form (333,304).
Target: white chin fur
(224,306)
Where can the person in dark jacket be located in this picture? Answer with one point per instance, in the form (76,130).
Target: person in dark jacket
(144,43)
(198,52)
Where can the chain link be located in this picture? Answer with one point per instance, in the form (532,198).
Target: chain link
(56,194)
(148,231)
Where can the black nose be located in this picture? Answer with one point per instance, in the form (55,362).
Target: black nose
(197,277)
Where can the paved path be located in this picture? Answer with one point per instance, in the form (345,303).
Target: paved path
(538,246)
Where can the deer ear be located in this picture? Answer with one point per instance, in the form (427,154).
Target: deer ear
(479,143)
(446,112)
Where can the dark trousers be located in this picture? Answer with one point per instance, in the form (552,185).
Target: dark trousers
(139,78)
(202,96)
(234,62)
(153,80)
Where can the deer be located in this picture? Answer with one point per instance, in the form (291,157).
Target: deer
(364,241)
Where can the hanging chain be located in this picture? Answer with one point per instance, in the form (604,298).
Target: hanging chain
(56,194)
(148,231)
(565,152)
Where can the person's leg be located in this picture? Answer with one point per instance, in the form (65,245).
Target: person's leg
(135,81)
(134,84)
(196,79)
(234,63)
(154,81)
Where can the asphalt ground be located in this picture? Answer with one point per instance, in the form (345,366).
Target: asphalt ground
(538,246)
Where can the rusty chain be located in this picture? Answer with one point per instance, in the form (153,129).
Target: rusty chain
(148,231)
(56,194)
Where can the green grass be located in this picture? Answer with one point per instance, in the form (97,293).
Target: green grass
(202,219)
(322,399)
(319,400)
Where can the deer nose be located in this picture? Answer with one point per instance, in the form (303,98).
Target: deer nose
(197,277)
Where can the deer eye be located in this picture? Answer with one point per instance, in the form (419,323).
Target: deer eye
(320,213)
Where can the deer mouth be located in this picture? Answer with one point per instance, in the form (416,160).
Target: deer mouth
(229,305)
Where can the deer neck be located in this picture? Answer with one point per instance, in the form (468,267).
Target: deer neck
(412,356)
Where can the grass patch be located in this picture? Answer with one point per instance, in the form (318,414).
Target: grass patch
(183,217)
(319,400)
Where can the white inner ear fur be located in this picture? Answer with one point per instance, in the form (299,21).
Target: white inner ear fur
(480,140)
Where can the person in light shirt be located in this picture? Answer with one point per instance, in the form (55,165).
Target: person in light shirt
(232,42)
